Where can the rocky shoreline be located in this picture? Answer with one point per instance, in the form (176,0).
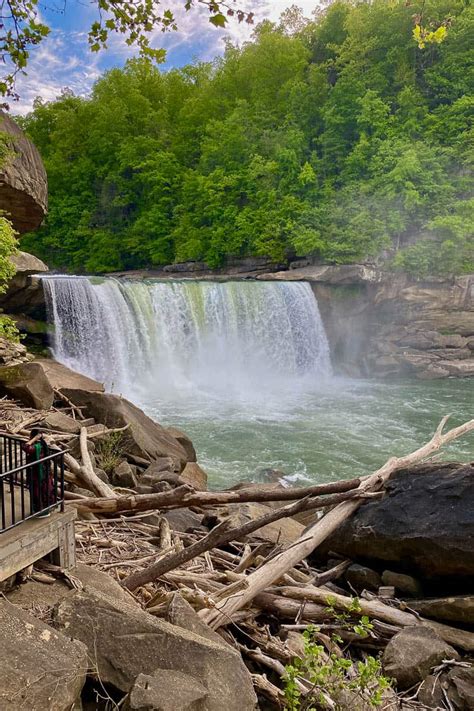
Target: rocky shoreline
(395,580)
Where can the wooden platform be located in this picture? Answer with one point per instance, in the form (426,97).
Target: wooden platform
(34,539)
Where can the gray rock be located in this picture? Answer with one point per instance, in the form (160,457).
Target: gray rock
(182,519)
(423,522)
(61,422)
(124,475)
(184,441)
(405,584)
(166,691)
(27,382)
(363,578)
(40,668)
(412,653)
(457,685)
(124,642)
(458,608)
(145,437)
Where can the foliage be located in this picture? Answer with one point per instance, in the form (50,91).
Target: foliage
(110,450)
(23,28)
(331,679)
(338,138)
(8,245)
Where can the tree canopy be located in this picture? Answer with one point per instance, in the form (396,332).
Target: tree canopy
(347,138)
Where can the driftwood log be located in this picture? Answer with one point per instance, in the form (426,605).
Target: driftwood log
(268,573)
(185,496)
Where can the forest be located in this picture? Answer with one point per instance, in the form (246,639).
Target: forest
(344,138)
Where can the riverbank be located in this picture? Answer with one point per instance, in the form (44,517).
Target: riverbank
(184,551)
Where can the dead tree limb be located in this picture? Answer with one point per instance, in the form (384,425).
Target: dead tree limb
(185,496)
(86,472)
(265,576)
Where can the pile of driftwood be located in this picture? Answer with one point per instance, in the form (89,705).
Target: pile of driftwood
(259,596)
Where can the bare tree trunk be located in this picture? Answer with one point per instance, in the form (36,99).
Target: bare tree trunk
(185,496)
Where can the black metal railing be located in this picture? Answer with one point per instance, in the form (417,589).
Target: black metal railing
(28,489)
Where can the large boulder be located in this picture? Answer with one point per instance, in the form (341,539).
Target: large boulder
(168,691)
(412,653)
(28,383)
(23,181)
(423,525)
(124,642)
(40,668)
(147,438)
(60,376)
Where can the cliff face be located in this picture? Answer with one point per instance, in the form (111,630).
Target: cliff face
(23,182)
(384,324)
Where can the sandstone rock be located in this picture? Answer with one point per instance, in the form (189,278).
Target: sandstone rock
(184,441)
(182,519)
(23,181)
(98,581)
(405,584)
(162,464)
(412,653)
(167,691)
(363,578)
(146,438)
(13,353)
(457,685)
(124,475)
(459,608)
(27,382)
(179,612)
(40,668)
(461,688)
(424,523)
(124,642)
(60,376)
(61,422)
(284,531)
(195,476)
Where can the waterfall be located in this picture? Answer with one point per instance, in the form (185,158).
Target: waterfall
(167,339)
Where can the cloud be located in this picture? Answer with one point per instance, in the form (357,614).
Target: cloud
(64,59)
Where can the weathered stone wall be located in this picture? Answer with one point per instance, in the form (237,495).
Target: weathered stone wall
(386,324)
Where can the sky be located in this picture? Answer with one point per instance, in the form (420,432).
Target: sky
(63,59)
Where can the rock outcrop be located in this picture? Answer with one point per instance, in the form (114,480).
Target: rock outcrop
(40,668)
(23,181)
(423,525)
(27,383)
(125,642)
(147,439)
(13,353)
(24,297)
(389,324)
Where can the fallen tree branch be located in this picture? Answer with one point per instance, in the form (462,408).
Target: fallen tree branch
(185,496)
(265,576)
(86,472)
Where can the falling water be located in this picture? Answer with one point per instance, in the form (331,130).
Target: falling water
(244,369)
(230,340)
